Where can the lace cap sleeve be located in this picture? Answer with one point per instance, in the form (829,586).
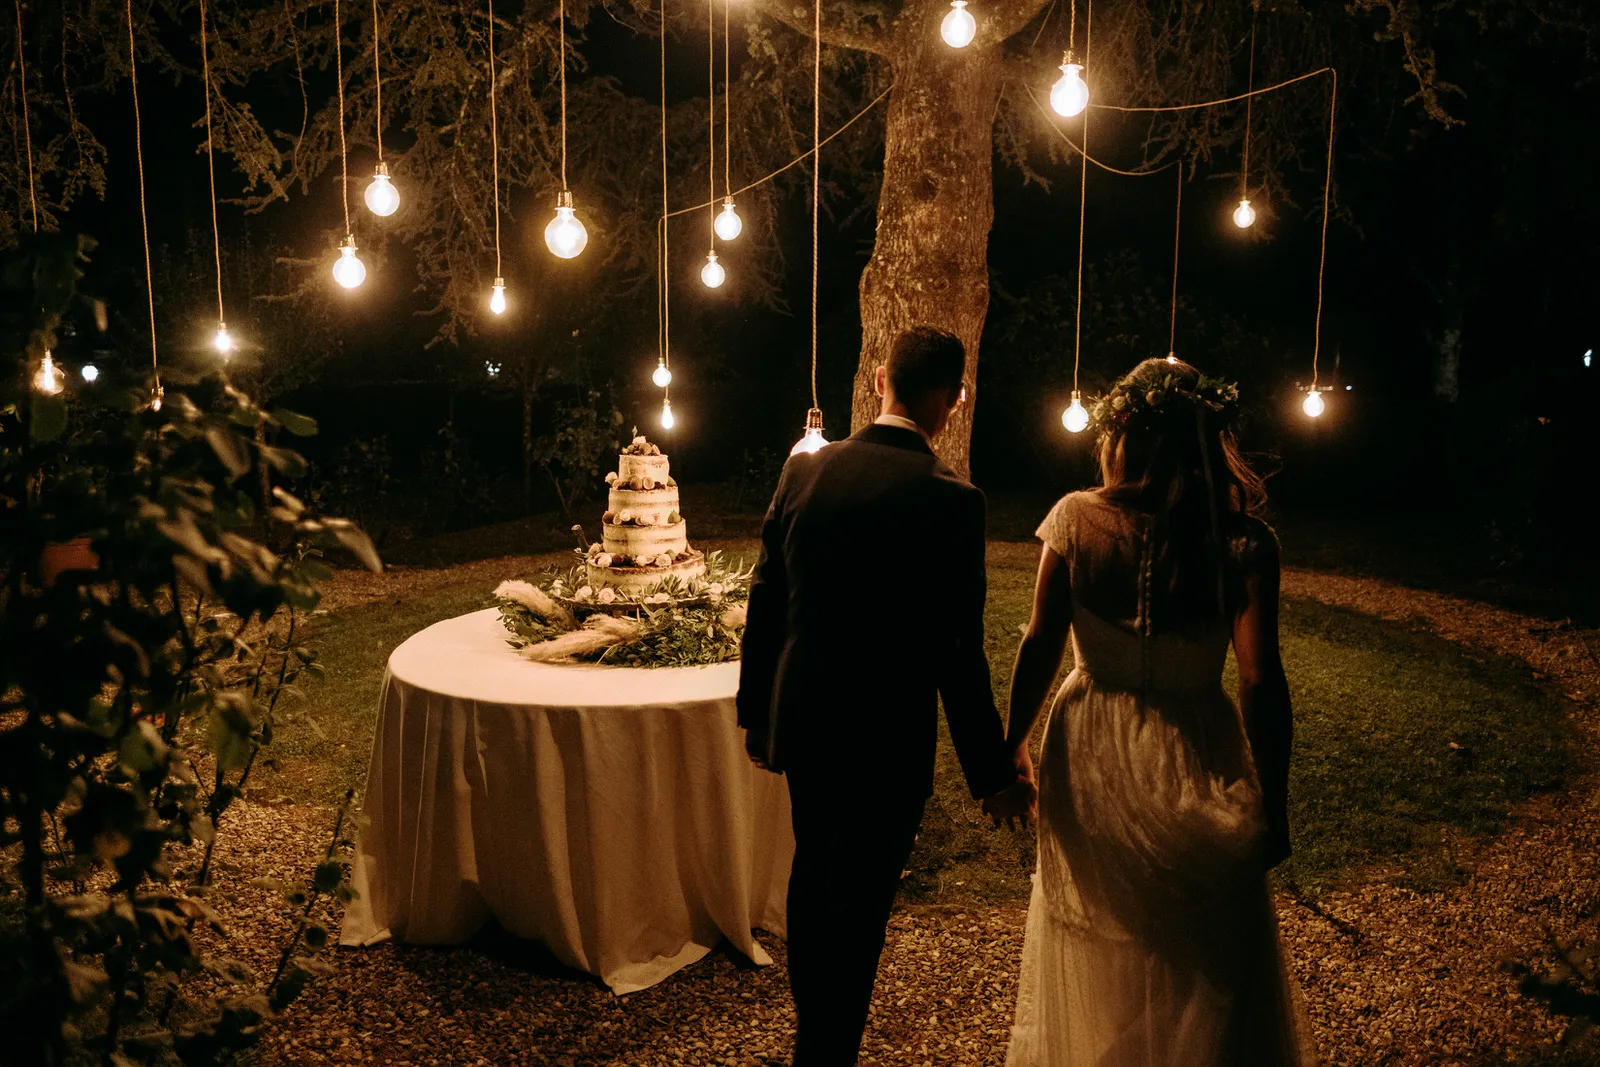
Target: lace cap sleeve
(1059,527)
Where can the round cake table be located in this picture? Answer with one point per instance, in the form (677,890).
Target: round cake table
(610,813)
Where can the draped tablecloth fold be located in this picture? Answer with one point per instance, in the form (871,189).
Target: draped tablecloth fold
(610,813)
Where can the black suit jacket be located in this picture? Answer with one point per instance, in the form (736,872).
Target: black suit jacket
(867,606)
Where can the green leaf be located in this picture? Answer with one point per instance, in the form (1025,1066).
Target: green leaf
(328,875)
(230,448)
(48,417)
(295,423)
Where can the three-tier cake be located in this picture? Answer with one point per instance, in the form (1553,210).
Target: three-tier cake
(644,539)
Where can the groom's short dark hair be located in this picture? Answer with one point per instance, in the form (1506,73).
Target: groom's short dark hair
(925,359)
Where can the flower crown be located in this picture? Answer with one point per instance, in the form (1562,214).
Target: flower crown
(1146,400)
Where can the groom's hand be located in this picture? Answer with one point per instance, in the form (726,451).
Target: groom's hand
(1014,806)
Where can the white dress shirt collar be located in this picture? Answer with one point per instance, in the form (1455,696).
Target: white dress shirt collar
(901,421)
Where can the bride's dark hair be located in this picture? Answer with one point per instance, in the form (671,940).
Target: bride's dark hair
(1178,460)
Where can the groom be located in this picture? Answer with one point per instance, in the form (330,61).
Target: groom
(866,608)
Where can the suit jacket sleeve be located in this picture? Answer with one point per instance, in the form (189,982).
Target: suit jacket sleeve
(963,668)
(765,625)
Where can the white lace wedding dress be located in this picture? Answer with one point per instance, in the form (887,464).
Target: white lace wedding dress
(1151,938)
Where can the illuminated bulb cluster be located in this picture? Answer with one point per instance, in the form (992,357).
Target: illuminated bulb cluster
(1070,94)
(712,273)
(1244,216)
(663,374)
(959,27)
(1313,405)
(1076,417)
(728,225)
(565,236)
(223,341)
(491,368)
(48,379)
(812,440)
(381,196)
(497,301)
(348,270)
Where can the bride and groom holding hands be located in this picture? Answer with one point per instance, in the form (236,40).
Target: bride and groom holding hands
(1160,804)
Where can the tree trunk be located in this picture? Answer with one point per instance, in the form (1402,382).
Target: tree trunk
(527,446)
(929,264)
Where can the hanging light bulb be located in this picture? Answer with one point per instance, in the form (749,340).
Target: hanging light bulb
(1244,216)
(728,225)
(155,398)
(497,302)
(48,379)
(223,341)
(667,421)
(712,273)
(381,196)
(663,374)
(348,270)
(1172,357)
(959,27)
(565,235)
(1070,95)
(1313,404)
(90,372)
(1076,417)
(812,440)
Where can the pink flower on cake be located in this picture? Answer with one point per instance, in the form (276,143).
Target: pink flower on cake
(664,560)
(624,517)
(639,440)
(611,478)
(596,548)
(734,617)
(607,595)
(603,560)
(714,590)
(585,592)
(658,598)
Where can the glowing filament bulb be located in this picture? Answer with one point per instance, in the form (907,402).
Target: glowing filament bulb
(155,399)
(565,235)
(1313,404)
(1070,95)
(348,270)
(223,341)
(959,27)
(728,225)
(712,273)
(90,372)
(667,420)
(1076,417)
(663,374)
(812,440)
(497,302)
(48,380)
(1244,216)
(381,196)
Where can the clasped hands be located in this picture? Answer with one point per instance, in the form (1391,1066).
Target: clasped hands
(1017,804)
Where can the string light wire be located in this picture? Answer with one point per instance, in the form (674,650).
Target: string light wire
(561,23)
(494,139)
(1177,237)
(211,162)
(1249,110)
(1083,204)
(1327,201)
(144,216)
(344,155)
(1224,100)
(727,94)
(816,179)
(27,132)
(664,304)
(711,119)
(377,79)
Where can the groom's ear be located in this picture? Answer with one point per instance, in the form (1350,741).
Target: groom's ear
(880,379)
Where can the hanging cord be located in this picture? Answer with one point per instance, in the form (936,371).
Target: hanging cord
(727,93)
(797,160)
(1327,201)
(816,179)
(1224,100)
(1249,109)
(344,157)
(1083,206)
(664,301)
(561,23)
(27,133)
(1108,168)
(1177,237)
(377,78)
(300,76)
(211,162)
(494,139)
(711,119)
(144,217)
(1072,28)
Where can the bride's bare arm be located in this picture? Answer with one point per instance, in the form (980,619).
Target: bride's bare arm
(1264,697)
(1044,644)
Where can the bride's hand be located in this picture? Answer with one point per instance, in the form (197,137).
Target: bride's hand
(1014,806)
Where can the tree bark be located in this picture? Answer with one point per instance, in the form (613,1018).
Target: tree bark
(930,261)
(527,445)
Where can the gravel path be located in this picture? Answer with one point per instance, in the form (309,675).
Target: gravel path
(1390,977)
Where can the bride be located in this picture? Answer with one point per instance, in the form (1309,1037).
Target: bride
(1151,938)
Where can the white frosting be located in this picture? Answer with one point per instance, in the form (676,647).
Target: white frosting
(637,468)
(652,506)
(640,581)
(651,541)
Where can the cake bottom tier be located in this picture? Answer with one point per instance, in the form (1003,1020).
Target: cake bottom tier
(641,581)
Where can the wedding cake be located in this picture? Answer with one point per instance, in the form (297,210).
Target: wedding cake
(644,539)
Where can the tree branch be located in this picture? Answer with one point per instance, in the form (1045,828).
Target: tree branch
(861,27)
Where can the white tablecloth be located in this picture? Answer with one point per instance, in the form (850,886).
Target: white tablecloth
(610,813)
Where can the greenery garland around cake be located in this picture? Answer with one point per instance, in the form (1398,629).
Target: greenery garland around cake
(561,619)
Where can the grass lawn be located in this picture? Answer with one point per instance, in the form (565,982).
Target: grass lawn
(1406,745)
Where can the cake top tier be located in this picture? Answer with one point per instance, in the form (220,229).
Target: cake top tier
(641,466)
